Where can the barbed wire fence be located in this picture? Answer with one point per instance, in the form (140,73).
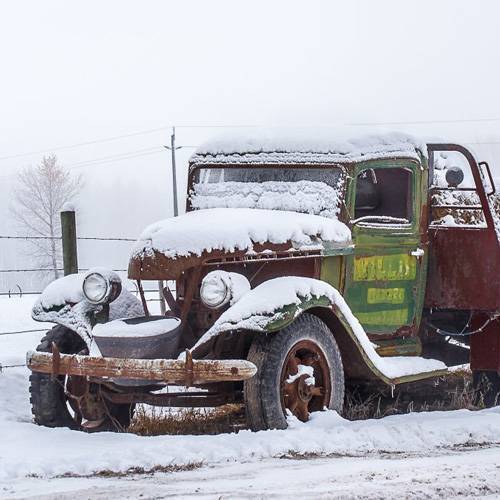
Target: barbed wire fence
(17,291)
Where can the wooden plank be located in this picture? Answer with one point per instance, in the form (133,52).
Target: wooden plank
(171,371)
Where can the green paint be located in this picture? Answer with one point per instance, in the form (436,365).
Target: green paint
(385,268)
(385,295)
(285,315)
(384,283)
(331,269)
(391,317)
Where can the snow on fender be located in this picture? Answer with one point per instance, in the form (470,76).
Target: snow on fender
(277,302)
(63,303)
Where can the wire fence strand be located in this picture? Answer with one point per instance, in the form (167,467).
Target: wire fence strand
(50,269)
(5,367)
(24,331)
(85,238)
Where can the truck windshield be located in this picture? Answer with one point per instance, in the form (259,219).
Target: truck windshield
(307,190)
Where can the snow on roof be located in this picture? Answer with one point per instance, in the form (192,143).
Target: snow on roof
(231,229)
(307,146)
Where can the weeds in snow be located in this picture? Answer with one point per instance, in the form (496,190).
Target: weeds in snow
(132,471)
(452,392)
(154,421)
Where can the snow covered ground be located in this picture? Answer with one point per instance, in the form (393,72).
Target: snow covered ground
(438,454)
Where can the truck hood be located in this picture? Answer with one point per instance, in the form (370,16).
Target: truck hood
(203,234)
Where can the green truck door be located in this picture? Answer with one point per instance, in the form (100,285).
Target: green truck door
(386,273)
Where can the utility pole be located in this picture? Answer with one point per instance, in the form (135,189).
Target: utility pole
(172,148)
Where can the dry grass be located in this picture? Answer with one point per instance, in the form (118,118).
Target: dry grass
(132,471)
(154,421)
(452,392)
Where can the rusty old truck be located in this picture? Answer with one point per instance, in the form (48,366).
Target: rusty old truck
(301,266)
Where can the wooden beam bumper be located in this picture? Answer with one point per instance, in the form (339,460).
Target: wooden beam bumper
(186,372)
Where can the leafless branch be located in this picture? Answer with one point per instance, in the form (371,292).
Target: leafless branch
(41,193)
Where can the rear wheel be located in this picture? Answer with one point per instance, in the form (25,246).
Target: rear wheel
(299,371)
(72,401)
(487,387)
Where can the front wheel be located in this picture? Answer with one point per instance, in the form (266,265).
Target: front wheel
(72,401)
(299,371)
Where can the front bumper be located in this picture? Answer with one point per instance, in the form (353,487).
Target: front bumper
(187,372)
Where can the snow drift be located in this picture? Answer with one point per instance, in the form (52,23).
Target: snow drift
(28,449)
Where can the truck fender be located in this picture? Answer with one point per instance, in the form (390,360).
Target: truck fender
(359,357)
(69,308)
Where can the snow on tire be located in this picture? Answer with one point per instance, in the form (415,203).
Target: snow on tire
(299,371)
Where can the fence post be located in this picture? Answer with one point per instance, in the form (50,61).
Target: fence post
(68,228)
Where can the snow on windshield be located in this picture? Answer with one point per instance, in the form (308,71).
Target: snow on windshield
(307,190)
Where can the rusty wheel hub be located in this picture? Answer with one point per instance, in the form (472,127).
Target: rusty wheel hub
(305,380)
(87,404)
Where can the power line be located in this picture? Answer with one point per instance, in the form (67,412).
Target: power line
(425,122)
(116,155)
(115,158)
(482,142)
(86,143)
(234,126)
(92,163)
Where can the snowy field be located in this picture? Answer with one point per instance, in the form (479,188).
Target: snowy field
(434,455)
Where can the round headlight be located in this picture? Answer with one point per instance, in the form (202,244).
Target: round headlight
(96,288)
(214,291)
(101,286)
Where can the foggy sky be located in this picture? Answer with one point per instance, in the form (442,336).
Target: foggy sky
(74,72)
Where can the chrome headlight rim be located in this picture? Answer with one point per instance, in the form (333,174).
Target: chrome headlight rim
(225,295)
(99,299)
(110,283)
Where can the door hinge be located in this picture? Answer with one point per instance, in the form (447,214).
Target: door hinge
(419,252)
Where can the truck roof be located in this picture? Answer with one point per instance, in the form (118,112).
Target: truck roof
(311,145)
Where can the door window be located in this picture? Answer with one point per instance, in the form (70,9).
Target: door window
(384,196)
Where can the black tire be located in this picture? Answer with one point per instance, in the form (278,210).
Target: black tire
(486,387)
(264,392)
(47,396)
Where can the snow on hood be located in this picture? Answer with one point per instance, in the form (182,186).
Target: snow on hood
(307,145)
(231,229)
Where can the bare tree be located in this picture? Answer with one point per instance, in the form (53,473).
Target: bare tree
(39,196)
